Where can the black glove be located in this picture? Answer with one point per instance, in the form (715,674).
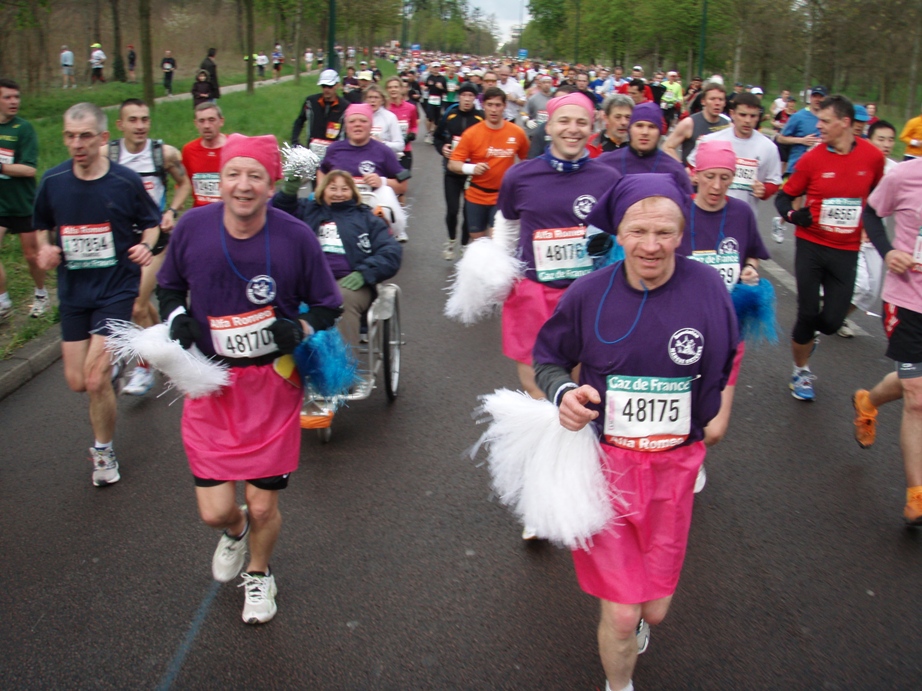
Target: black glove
(287,334)
(185,330)
(411,137)
(599,244)
(801,217)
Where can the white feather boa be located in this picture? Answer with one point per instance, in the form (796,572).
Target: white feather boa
(188,370)
(482,281)
(550,477)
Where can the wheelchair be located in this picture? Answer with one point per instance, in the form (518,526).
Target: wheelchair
(379,360)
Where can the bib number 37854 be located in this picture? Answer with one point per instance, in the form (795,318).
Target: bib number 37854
(647,413)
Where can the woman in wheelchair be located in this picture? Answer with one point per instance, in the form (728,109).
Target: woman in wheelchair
(358,245)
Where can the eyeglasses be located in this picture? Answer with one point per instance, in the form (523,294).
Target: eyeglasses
(83,136)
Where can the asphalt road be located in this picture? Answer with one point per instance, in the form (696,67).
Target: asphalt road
(397,569)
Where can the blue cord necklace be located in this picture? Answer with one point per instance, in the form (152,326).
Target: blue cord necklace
(598,314)
(260,289)
(720,235)
(629,150)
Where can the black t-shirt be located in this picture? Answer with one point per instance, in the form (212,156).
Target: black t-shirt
(437,85)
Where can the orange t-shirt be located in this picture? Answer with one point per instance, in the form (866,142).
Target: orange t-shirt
(480,143)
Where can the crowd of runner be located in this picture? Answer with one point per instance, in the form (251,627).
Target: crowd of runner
(616,192)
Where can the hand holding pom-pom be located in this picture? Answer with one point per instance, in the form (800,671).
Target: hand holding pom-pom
(299,162)
(184,329)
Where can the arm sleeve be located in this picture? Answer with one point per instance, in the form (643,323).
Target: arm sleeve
(169,300)
(553,380)
(299,124)
(784,203)
(877,233)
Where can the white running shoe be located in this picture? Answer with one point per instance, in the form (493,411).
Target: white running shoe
(529,533)
(402,236)
(229,556)
(449,252)
(140,382)
(701,480)
(643,636)
(847,330)
(6,312)
(40,305)
(778,229)
(259,605)
(105,467)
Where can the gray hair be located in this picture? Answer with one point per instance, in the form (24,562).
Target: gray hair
(209,105)
(617,101)
(82,111)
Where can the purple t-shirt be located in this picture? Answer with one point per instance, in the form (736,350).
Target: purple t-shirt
(549,203)
(678,354)
(219,270)
(723,239)
(371,157)
(899,194)
(628,162)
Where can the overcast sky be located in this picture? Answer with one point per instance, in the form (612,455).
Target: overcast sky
(508,13)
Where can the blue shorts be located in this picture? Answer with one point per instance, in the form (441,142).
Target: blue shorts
(479,216)
(79,323)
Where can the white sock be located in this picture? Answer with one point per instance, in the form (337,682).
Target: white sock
(629,687)
(5,299)
(41,293)
(801,370)
(102,446)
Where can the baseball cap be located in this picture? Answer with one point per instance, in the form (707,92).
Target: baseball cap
(328,78)
(757,90)
(821,90)
(95,45)
(861,114)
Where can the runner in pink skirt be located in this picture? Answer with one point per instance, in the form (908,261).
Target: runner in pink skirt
(655,337)
(232,284)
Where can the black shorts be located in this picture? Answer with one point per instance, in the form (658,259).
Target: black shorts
(904,335)
(16,224)
(784,152)
(79,323)
(817,266)
(479,216)
(433,113)
(273,483)
(407,160)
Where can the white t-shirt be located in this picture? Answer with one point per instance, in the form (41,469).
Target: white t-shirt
(512,89)
(756,159)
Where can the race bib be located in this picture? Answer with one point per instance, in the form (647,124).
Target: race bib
(840,215)
(917,253)
(243,335)
(330,242)
(206,187)
(435,100)
(542,117)
(647,413)
(560,253)
(7,158)
(376,131)
(404,127)
(333,130)
(452,87)
(745,175)
(319,147)
(726,264)
(88,246)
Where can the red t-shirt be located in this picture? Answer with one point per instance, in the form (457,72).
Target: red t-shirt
(837,188)
(204,168)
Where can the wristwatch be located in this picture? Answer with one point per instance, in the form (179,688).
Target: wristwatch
(175,212)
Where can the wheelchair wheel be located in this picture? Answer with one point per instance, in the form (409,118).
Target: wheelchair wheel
(390,352)
(325,433)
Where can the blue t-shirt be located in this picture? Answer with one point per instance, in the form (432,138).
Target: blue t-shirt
(97,221)
(800,124)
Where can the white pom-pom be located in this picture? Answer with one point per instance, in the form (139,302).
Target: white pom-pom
(187,370)
(299,162)
(482,281)
(550,477)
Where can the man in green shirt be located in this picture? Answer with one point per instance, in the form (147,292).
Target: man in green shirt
(18,161)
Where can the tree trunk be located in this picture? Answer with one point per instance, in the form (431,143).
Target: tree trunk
(913,74)
(299,47)
(147,55)
(241,40)
(808,58)
(691,66)
(118,65)
(250,42)
(97,22)
(738,56)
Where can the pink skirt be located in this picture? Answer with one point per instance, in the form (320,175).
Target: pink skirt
(640,559)
(737,361)
(528,306)
(248,430)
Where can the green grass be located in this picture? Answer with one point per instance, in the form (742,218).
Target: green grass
(272,109)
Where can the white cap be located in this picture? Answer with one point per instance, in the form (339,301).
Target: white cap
(757,90)
(328,78)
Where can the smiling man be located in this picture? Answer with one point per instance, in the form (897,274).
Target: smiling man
(153,161)
(640,345)
(247,267)
(106,225)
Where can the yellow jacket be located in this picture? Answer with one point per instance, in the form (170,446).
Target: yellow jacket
(913,132)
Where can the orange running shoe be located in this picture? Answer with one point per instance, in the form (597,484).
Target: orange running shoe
(865,418)
(913,511)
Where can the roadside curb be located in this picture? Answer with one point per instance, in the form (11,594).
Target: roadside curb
(29,361)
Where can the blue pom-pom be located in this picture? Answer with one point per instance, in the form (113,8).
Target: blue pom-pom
(326,363)
(755,311)
(615,254)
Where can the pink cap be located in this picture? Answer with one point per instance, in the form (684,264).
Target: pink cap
(360,109)
(571,99)
(712,154)
(264,149)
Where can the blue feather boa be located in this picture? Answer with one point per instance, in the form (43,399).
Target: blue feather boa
(326,363)
(755,310)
